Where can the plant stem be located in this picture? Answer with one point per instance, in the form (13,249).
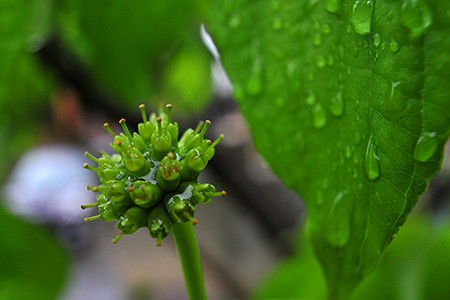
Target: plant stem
(186,241)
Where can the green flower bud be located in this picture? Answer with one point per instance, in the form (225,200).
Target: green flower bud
(179,208)
(146,129)
(145,194)
(161,141)
(134,161)
(116,191)
(133,219)
(108,211)
(152,180)
(159,223)
(199,193)
(168,175)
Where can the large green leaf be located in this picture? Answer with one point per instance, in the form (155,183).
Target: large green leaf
(348,102)
(416,266)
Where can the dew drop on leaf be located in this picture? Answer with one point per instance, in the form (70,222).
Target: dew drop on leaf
(393,46)
(361,17)
(338,227)
(357,138)
(320,61)
(416,16)
(326,29)
(275,5)
(234,21)
(333,6)
(277,24)
(330,61)
(319,116)
(319,197)
(372,161)
(376,39)
(348,152)
(337,105)
(426,146)
(310,99)
(317,39)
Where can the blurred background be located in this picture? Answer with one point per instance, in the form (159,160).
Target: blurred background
(66,68)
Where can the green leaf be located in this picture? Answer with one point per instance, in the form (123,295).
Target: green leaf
(32,265)
(348,102)
(416,266)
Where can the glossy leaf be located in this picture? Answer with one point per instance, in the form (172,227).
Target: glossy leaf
(348,102)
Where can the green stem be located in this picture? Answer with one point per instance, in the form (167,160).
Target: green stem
(186,241)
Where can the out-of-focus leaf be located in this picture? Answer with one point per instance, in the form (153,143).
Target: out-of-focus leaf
(128,45)
(348,102)
(32,265)
(415,267)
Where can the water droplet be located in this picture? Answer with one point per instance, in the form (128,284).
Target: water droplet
(317,39)
(372,161)
(254,84)
(333,6)
(355,159)
(326,29)
(348,152)
(338,226)
(416,16)
(426,146)
(234,21)
(320,61)
(349,71)
(376,39)
(325,183)
(276,24)
(366,44)
(393,46)
(357,138)
(275,5)
(319,198)
(319,116)
(337,105)
(361,17)
(310,99)
(330,61)
(355,173)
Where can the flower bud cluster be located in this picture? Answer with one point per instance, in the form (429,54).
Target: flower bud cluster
(152,180)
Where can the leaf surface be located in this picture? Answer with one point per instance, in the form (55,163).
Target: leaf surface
(348,102)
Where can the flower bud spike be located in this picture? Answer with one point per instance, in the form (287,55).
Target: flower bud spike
(106,126)
(199,127)
(169,113)
(161,108)
(158,120)
(90,156)
(117,238)
(123,148)
(207,124)
(92,188)
(143,112)
(216,142)
(194,222)
(90,219)
(91,168)
(84,206)
(188,216)
(219,194)
(159,238)
(125,128)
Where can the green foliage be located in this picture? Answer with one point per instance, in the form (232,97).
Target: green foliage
(348,103)
(33,264)
(141,50)
(415,266)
